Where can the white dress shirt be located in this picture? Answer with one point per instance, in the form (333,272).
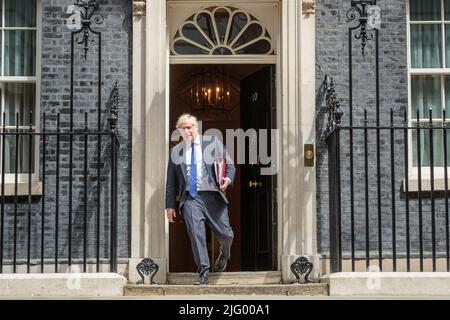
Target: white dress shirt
(202,184)
(198,158)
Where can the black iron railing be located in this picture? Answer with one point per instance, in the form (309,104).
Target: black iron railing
(388,184)
(59,180)
(405,217)
(67,220)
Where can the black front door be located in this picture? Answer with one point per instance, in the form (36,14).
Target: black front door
(258,202)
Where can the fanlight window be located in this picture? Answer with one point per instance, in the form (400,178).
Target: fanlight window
(222,31)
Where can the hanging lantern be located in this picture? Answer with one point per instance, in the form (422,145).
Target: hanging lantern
(210,89)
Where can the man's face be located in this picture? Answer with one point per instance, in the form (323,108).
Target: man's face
(188,131)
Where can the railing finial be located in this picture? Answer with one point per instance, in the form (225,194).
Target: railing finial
(114,111)
(333,107)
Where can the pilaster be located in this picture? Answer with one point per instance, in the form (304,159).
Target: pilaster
(298,183)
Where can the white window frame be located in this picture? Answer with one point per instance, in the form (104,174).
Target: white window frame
(441,72)
(23,177)
(263,10)
(216,43)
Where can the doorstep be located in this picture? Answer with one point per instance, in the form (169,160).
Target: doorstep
(227,283)
(313,289)
(228,278)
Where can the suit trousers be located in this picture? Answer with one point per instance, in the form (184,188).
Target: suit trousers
(209,207)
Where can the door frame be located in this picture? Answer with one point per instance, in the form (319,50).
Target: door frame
(274,60)
(295,118)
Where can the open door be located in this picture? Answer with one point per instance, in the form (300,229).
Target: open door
(258,205)
(252,208)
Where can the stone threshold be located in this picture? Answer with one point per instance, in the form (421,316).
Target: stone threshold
(313,289)
(228,278)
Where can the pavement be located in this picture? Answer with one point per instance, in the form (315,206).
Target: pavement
(234,297)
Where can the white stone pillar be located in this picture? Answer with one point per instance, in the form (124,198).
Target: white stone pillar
(298,198)
(308,126)
(149,137)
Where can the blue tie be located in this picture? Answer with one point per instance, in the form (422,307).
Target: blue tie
(193,173)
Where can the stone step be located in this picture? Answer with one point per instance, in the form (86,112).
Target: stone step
(313,289)
(228,278)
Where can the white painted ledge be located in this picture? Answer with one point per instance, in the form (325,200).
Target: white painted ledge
(22,188)
(62,285)
(389,284)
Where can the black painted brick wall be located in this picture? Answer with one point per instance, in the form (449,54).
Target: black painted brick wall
(116,56)
(332,58)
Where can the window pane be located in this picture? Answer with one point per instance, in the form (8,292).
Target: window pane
(22,143)
(447,9)
(447,45)
(252,32)
(426,44)
(21,98)
(205,22)
(191,32)
(259,47)
(222,51)
(425,152)
(20,13)
(447,96)
(448,147)
(425,10)
(183,47)
(426,94)
(20,53)
(238,22)
(222,16)
(1,52)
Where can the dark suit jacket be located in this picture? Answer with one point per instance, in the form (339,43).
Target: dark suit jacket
(213,150)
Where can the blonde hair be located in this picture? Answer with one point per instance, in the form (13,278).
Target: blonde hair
(186,117)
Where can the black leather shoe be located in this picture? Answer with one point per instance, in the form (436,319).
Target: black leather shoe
(221,263)
(202,279)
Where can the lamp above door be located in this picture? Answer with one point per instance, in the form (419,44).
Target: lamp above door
(211,89)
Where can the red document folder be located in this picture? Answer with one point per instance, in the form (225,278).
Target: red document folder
(220,167)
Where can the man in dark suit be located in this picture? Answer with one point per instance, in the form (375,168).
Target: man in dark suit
(192,171)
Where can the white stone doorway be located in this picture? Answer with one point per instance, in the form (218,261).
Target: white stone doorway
(294,57)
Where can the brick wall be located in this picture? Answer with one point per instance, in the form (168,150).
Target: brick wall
(332,49)
(116,44)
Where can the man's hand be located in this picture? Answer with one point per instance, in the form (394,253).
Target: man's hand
(171,214)
(225,183)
